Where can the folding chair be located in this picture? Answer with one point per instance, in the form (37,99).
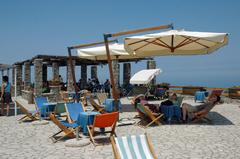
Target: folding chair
(101,97)
(39,103)
(67,128)
(33,115)
(133,147)
(145,112)
(73,111)
(60,110)
(103,121)
(96,107)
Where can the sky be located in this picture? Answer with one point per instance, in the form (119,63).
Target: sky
(31,27)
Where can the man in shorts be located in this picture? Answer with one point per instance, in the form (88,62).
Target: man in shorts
(6,94)
(197,111)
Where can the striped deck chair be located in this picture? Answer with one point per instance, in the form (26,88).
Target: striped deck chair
(133,147)
(145,112)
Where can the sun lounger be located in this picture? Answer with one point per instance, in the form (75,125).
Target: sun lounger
(133,147)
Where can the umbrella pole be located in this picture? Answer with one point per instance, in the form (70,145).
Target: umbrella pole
(72,70)
(114,95)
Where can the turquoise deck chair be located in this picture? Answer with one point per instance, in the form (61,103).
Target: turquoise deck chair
(73,110)
(39,102)
(133,147)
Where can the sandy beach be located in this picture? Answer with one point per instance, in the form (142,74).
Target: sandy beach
(219,140)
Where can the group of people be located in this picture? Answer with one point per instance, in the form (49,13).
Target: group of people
(5,95)
(186,112)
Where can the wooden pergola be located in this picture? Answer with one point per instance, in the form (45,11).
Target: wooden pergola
(62,60)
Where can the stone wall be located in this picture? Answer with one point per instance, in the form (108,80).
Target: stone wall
(38,84)
(28,95)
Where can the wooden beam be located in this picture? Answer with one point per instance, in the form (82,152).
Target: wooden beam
(91,44)
(141,30)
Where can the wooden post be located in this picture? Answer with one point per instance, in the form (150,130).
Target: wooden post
(72,70)
(114,94)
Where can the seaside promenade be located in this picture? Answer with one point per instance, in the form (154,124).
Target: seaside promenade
(221,140)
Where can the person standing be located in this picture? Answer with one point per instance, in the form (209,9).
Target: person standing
(6,94)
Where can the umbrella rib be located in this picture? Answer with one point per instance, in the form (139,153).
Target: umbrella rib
(182,43)
(186,42)
(198,42)
(148,42)
(165,44)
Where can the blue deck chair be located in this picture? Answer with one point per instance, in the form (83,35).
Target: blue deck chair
(67,128)
(73,110)
(39,102)
(133,147)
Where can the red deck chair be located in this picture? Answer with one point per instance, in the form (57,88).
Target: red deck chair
(107,120)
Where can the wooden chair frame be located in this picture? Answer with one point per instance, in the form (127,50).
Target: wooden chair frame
(96,106)
(116,152)
(26,112)
(92,127)
(146,112)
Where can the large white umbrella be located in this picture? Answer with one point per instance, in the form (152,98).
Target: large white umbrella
(144,76)
(175,42)
(117,51)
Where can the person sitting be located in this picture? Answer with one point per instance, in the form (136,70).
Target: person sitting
(145,103)
(197,111)
(171,108)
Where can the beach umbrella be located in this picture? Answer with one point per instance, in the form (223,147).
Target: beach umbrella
(175,42)
(144,76)
(117,51)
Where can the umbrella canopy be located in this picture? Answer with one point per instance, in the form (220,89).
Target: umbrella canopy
(117,51)
(175,42)
(144,76)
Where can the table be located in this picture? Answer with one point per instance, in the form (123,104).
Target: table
(86,118)
(47,108)
(109,105)
(171,111)
(200,96)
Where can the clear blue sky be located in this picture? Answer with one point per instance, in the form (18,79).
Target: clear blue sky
(31,27)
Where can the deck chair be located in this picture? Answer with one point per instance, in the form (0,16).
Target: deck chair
(101,97)
(135,146)
(96,107)
(39,103)
(103,121)
(67,128)
(60,110)
(145,112)
(136,90)
(216,92)
(32,115)
(73,110)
